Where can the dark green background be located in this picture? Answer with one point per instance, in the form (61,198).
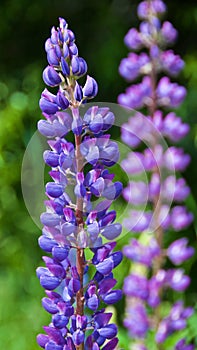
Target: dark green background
(99,27)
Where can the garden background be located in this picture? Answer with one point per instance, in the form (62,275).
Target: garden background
(99,27)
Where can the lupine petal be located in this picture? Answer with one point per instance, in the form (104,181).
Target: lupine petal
(42,340)
(112,297)
(51,77)
(90,88)
(108,331)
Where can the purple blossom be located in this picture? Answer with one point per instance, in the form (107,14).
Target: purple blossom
(136,286)
(174,322)
(181,345)
(51,77)
(170,94)
(133,39)
(134,164)
(155,93)
(137,252)
(137,321)
(133,65)
(174,128)
(154,187)
(136,96)
(175,159)
(138,128)
(132,132)
(154,7)
(180,218)
(136,192)
(177,280)
(178,251)
(155,285)
(138,221)
(72,224)
(175,188)
(90,88)
(48,102)
(168,32)
(172,63)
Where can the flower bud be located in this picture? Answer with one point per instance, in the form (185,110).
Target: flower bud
(78,93)
(48,102)
(65,67)
(51,77)
(52,57)
(90,88)
(62,101)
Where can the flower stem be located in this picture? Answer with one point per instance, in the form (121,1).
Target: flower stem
(80,258)
(157,202)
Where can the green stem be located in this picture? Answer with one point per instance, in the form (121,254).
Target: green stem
(159,233)
(80,258)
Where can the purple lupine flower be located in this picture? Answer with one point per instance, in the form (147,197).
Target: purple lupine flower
(171,63)
(137,96)
(175,188)
(136,192)
(137,320)
(133,65)
(155,93)
(154,7)
(178,251)
(180,218)
(174,322)
(102,330)
(182,345)
(155,285)
(175,159)
(133,132)
(168,32)
(139,253)
(134,164)
(138,220)
(140,128)
(136,286)
(170,94)
(133,39)
(173,127)
(72,224)
(177,280)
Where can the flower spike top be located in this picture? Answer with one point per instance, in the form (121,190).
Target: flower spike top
(93,146)
(64,69)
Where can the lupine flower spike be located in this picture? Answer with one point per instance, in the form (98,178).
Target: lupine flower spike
(156,94)
(80,154)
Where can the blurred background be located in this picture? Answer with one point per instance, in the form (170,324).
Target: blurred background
(99,27)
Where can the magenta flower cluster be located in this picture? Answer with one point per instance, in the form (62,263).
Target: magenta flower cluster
(157,94)
(78,213)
